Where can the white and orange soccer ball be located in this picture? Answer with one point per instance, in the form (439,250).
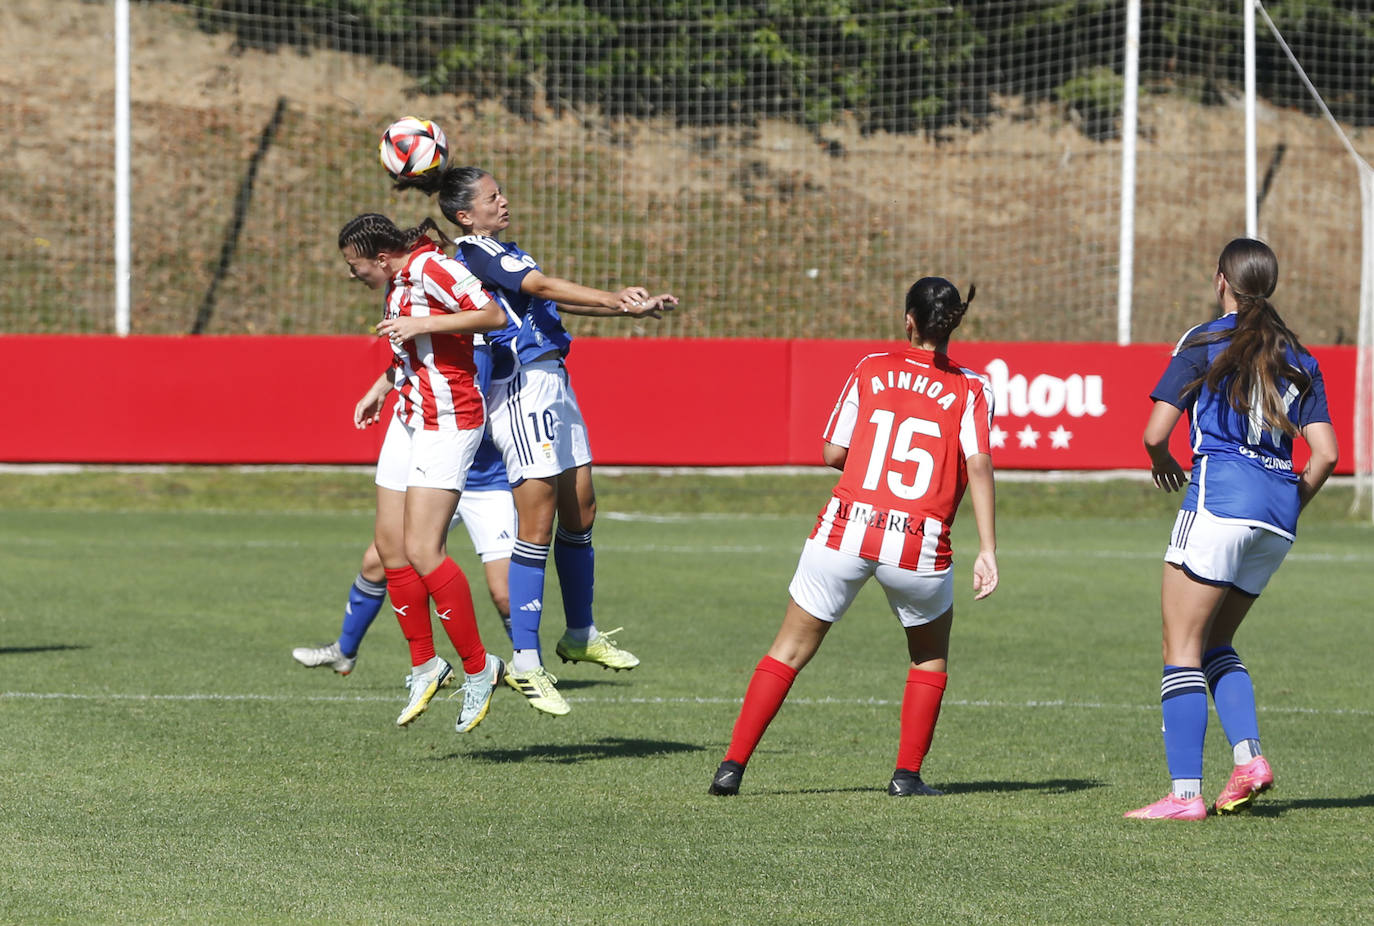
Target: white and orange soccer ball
(412,146)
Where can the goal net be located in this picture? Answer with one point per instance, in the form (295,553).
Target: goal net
(1363,397)
(786,168)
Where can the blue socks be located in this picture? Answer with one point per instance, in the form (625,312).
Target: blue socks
(527,564)
(1233,694)
(575,561)
(364,601)
(1183,702)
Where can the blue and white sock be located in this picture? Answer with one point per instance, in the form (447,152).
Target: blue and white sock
(364,601)
(575,560)
(1233,693)
(527,565)
(1183,702)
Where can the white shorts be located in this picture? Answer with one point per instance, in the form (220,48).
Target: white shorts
(489,516)
(1225,553)
(536,424)
(425,459)
(827,581)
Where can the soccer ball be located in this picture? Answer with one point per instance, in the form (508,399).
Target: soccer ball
(412,146)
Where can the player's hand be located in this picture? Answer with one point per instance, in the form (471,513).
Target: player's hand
(653,307)
(368,411)
(400,329)
(984,575)
(1168,475)
(631,298)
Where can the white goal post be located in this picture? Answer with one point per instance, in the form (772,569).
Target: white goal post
(1364,374)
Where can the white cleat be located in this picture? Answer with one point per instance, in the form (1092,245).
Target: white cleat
(312,657)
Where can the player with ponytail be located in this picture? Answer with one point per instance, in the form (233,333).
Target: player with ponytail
(538,426)
(1249,387)
(909,434)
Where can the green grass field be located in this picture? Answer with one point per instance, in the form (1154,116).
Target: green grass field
(162,758)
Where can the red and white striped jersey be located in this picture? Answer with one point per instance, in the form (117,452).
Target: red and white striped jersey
(910,420)
(435,375)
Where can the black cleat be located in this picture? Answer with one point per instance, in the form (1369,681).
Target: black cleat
(905,784)
(727,778)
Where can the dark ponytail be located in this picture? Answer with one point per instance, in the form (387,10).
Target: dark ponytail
(455,186)
(1251,370)
(934,305)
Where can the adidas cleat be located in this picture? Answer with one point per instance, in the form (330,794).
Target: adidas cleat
(600,651)
(537,687)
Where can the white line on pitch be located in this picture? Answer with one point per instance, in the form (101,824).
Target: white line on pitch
(1005,552)
(813,702)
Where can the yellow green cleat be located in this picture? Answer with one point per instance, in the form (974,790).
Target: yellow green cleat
(600,651)
(537,687)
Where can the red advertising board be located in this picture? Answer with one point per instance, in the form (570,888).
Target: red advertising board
(687,402)
(1057,405)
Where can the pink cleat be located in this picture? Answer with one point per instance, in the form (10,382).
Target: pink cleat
(1172,808)
(1246,781)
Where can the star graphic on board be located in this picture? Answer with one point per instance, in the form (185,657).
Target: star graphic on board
(1059,438)
(1027,437)
(997,437)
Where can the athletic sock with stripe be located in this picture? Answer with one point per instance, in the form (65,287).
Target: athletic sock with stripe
(364,602)
(527,564)
(1183,703)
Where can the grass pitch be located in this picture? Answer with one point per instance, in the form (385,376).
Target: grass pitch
(162,758)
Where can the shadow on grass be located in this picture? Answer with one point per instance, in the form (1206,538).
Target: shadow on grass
(608,747)
(603,678)
(1052,786)
(51,648)
(1272,808)
(1049,786)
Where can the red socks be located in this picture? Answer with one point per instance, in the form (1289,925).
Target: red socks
(773,679)
(410,601)
(767,689)
(410,595)
(453,603)
(920,710)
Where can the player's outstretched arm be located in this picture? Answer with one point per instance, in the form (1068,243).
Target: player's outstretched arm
(1168,475)
(983,493)
(578,297)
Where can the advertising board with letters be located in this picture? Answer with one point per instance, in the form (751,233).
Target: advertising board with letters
(647,401)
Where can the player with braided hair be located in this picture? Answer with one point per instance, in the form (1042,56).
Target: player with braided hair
(1249,387)
(909,434)
(433,307)
(538,425)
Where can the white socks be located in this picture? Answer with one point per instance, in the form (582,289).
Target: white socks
(1245,750)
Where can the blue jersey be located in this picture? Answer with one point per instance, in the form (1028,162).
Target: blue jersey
(533,326)
(488,470)
(1242,470)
